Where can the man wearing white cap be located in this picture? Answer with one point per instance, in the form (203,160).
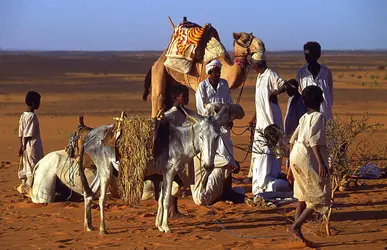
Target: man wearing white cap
(214,90)
(265,168)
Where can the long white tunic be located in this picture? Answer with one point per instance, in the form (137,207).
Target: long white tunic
(210,192)
(29,127)
(324,80)
(266,169)
(308,186)
(206,94)
(267,113)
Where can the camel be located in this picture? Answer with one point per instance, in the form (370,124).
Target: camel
(159,78)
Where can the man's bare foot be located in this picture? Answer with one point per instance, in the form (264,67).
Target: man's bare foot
(296,233)
(310,243)
(177,215)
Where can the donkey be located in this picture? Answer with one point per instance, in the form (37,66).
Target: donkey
(184,143)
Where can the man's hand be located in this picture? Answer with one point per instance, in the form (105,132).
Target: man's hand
(230,125)
(21,150)
(160,115)
(290,176)
(236,169)
(322,171)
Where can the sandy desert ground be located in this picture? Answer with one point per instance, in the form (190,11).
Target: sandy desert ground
(101,85)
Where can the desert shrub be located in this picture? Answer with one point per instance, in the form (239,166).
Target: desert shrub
(347,154)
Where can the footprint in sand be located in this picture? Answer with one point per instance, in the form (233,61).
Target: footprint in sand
(72,205)
(293,245)
(64,240)
(203,237)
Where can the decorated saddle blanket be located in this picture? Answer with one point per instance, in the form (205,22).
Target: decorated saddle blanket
(184,41)
(190,43)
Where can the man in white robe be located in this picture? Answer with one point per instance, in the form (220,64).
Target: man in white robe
(214,90)
(269,84)
(317,74)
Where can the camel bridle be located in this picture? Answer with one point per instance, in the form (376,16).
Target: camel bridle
(246,46)
(243,61)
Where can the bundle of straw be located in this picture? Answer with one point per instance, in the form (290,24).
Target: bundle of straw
(136,153)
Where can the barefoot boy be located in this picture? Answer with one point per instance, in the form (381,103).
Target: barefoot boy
(309,161)
(31,149)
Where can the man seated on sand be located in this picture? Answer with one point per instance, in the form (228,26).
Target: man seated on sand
(219,184)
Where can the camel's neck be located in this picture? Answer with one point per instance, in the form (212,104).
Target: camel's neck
(234,72)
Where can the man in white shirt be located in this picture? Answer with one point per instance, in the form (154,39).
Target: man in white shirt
(214,90)
(317,74)
(269,85)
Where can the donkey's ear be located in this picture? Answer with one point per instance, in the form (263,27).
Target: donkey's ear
(223,116)
(214,108)
(228,113)
(236,36)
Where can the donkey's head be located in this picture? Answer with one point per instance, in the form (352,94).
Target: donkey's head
(209,140)
(210,133)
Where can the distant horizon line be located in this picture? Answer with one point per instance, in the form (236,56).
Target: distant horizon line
(285,50)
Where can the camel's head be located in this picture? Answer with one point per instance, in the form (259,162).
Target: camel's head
(246,44)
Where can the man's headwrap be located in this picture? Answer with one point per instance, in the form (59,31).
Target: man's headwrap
(213,64)
(258,57)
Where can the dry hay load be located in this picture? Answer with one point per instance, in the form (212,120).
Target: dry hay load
(135,150)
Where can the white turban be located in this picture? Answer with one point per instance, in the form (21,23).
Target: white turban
(258,56)
(213,64)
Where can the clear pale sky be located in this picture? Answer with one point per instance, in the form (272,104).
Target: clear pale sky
(143,24)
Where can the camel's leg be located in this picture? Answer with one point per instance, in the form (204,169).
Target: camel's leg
(167,186)
(158,87)
(88,218)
